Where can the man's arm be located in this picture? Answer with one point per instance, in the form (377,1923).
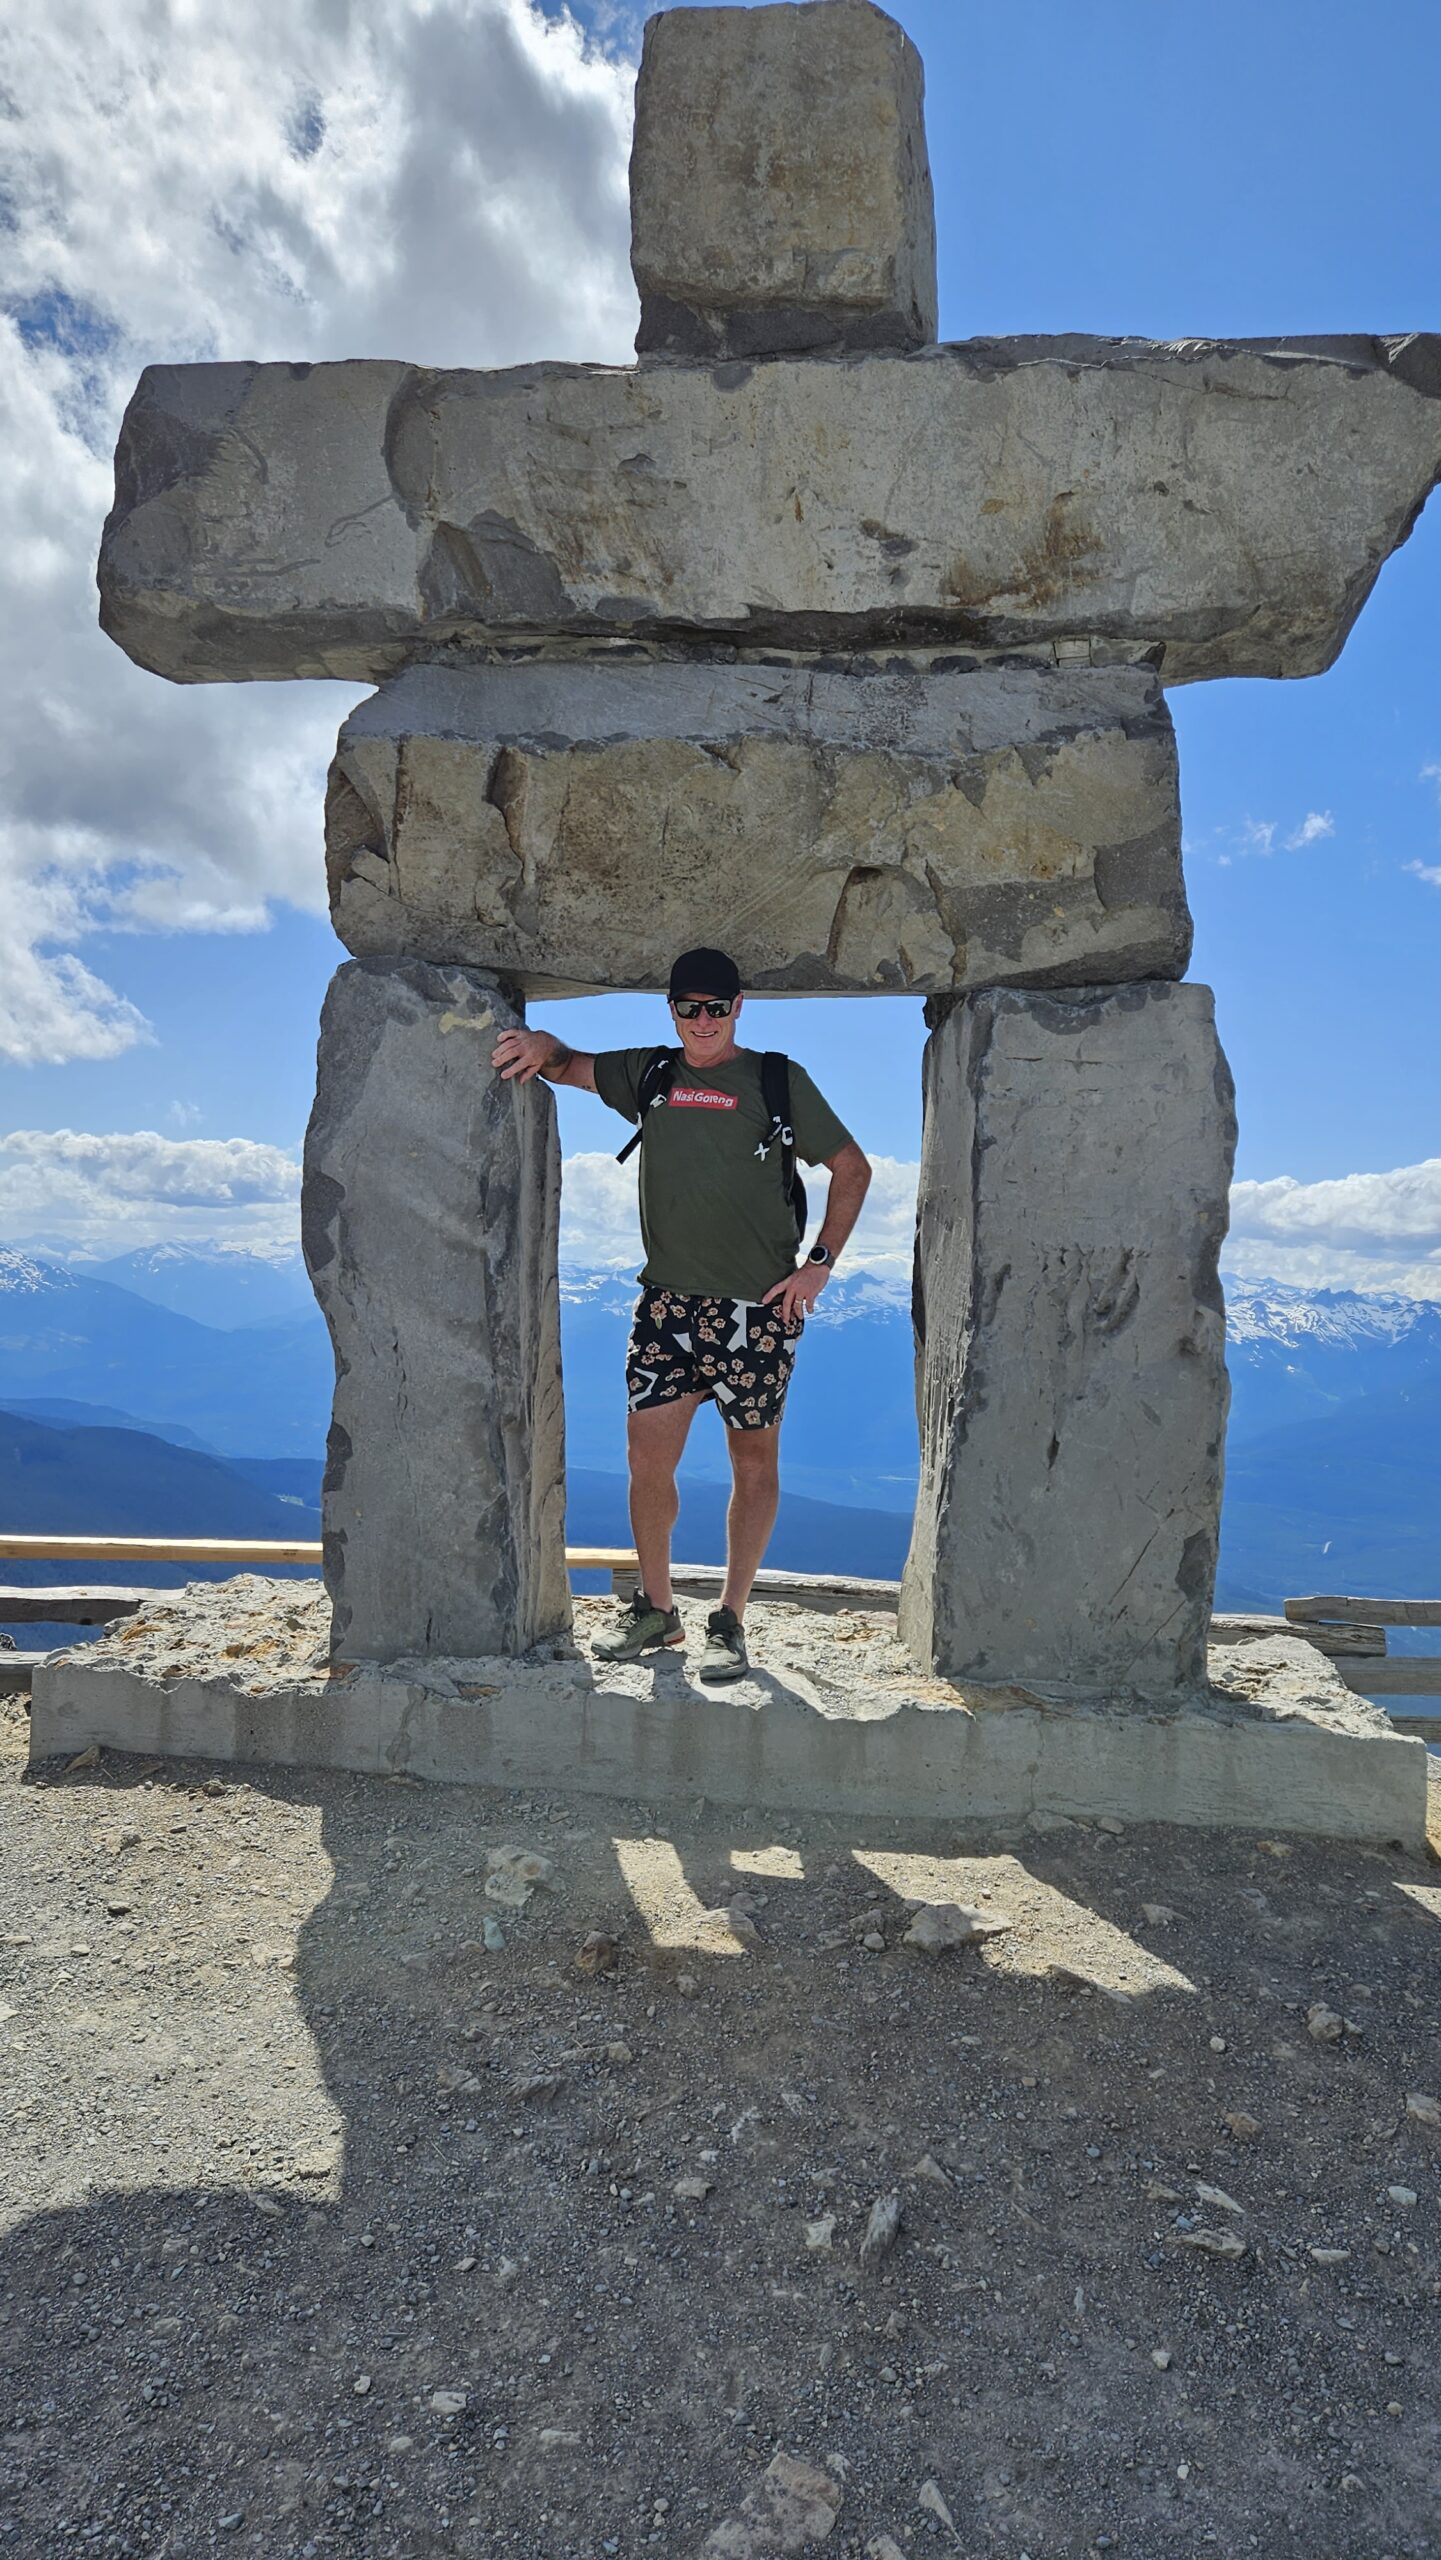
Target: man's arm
(850,1174)
(523,1054)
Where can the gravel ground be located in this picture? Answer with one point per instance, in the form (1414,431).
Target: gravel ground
(348,2213)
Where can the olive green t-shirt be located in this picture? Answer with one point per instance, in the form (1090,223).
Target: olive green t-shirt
(713,1214)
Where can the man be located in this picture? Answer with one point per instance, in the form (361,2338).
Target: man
(722,1303)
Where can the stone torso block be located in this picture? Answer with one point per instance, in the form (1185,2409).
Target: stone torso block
(575,825)
(1226,507)
(429,1212)
(780,190)
(1070,1340)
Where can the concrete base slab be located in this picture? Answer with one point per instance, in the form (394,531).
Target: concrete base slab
(831,1720)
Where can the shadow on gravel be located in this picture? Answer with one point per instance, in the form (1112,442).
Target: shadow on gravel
(419,2248)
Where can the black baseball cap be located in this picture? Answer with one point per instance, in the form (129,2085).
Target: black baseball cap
(704,973)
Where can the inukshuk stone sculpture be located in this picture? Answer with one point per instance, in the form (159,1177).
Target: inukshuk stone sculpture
(807,635)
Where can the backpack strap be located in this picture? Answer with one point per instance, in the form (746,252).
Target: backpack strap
(656,1078)
(776,1095)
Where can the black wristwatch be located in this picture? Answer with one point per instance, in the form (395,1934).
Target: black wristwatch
(821,1253)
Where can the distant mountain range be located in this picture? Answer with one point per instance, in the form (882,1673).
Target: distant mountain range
(257,1390)
(1298,1355)
(133,1415)
(216,1284)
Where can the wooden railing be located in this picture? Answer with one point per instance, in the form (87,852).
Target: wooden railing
(1377,1674)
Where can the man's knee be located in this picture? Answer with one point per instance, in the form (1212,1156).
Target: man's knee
(654,1471)
(756,1454)
(653,1461)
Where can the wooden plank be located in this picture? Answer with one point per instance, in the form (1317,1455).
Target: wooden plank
(1421,1728)
(16,1670)
(827,1592)
(70,1605)
(1400,1675)
(42,1550)
(1235,1628)
(164,1550)
(1381,1613)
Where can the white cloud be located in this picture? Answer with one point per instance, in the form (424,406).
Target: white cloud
(600,1229)
(1260,835)
(1316,824)
(77,1191)
(80,1191)
(1256,835)
(438,179)
(1430,871)
(72,1191)
(1366,1231)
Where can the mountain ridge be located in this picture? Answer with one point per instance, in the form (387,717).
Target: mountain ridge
(1336,1409)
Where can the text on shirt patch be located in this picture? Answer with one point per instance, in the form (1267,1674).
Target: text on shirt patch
(687,1097)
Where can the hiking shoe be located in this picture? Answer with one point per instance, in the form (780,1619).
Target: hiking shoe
(640,1630)
(724,1657)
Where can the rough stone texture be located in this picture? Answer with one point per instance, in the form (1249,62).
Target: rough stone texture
(779,186)
(430,1212)
(573,825)
(1226,505)
(1070,1340)
(834,1722)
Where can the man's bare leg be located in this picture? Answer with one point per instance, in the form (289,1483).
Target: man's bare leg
(755,1494)
(656,1439)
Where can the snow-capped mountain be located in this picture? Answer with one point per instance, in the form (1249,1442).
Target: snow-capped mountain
(217,1284)
(1298,1354)
(1269,1310)
(23,1275)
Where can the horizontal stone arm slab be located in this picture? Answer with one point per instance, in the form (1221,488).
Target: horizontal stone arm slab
(1223,505)
(575,825)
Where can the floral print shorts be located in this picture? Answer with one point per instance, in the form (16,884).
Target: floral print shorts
(732,1349)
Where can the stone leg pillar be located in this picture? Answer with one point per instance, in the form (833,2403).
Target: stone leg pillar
(430,1217)
(1070,1339)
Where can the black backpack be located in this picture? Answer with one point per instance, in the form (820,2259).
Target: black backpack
(658,1075)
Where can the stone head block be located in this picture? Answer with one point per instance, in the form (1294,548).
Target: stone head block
(780,190)
(880,832)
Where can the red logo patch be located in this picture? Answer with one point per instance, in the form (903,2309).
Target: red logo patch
(694,1097)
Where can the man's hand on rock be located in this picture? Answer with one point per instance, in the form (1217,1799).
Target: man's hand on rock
(797,1295)
(521,1054)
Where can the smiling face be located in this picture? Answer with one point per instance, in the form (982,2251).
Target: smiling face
(707,1043)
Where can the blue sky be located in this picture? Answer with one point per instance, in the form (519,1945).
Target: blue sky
(1232,171)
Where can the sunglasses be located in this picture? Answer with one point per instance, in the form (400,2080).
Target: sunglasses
(686,1008)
